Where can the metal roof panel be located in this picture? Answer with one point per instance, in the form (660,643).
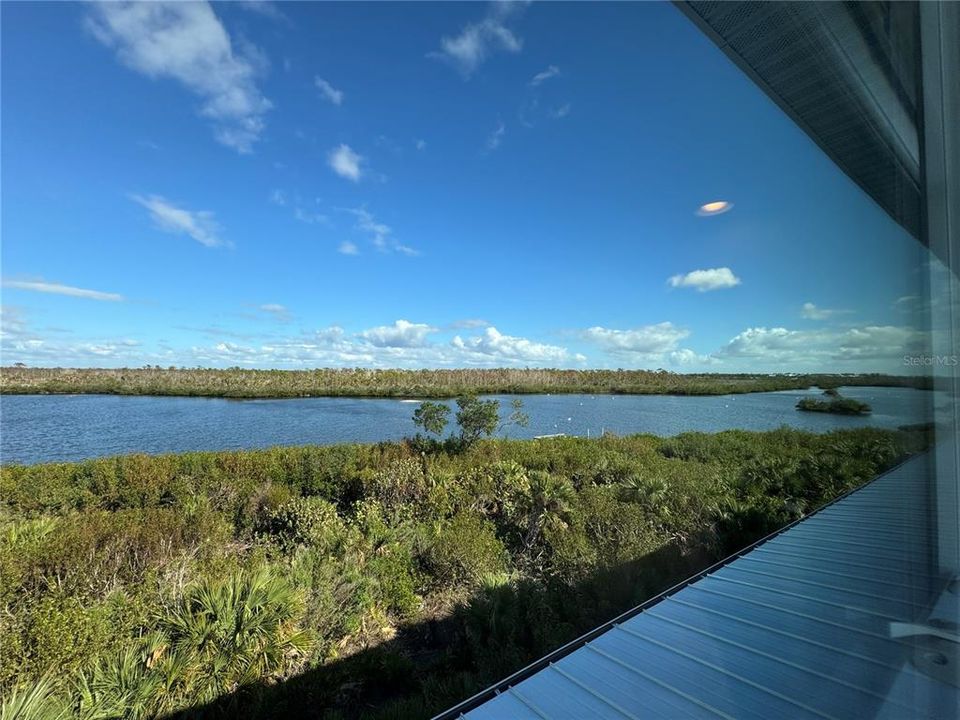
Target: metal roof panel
(798,626)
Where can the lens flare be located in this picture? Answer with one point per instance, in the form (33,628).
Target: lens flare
(716,207)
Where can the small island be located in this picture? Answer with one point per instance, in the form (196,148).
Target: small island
(838,405)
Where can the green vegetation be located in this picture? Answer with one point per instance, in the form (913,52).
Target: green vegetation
(237,383)
(477,418)
(381,581)
(838,405)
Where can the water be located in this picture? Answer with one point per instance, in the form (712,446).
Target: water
(43,428)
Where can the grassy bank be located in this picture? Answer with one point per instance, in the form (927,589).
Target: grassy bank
(237,383)
(369,580)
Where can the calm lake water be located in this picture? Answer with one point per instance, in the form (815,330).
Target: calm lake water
(42,428)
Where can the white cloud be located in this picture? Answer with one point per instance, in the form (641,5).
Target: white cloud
(704,280)
(469,324)
(810,311)
(348,248)
(420,144)
(505,348)
(550,72)
(19,343)
(12,323)
(186,42)
(328,91)
(380,234)
(330,335)
(646,342)
(264,8)
(345,162)
(58,289)
(560,112)
(686,356)
(478,40)
(367,223)
(279,312)
(310,218)
(405,250)
(278,197)
(403,344)
(402,334)
(496,137)
(400,345)
(826,349)
(199,225)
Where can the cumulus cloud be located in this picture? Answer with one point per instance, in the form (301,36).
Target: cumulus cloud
(646,342)
(479,40)
(402,334)
(705,280)
(686,356)
(505,348)
(402,344)
(186,42)
(328,91)
(58,289)
(544,75)
(880,345)
(199,225)
(809,311)
(345,162)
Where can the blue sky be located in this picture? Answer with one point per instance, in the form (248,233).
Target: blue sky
(424,185)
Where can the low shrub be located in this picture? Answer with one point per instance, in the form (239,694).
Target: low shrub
(465,550)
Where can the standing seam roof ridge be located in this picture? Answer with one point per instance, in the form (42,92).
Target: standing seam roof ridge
(667,686)
(854,537)
(813,618)
(828,587)
(792,636)
(728,673)
(787,593)
(605,700)
(831,550)
(835,540)
(887,568)
(858,578)
(769,656)
(533,708)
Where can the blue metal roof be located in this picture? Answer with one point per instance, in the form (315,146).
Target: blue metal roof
(800,626)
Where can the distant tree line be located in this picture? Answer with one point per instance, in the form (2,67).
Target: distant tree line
(360,382)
